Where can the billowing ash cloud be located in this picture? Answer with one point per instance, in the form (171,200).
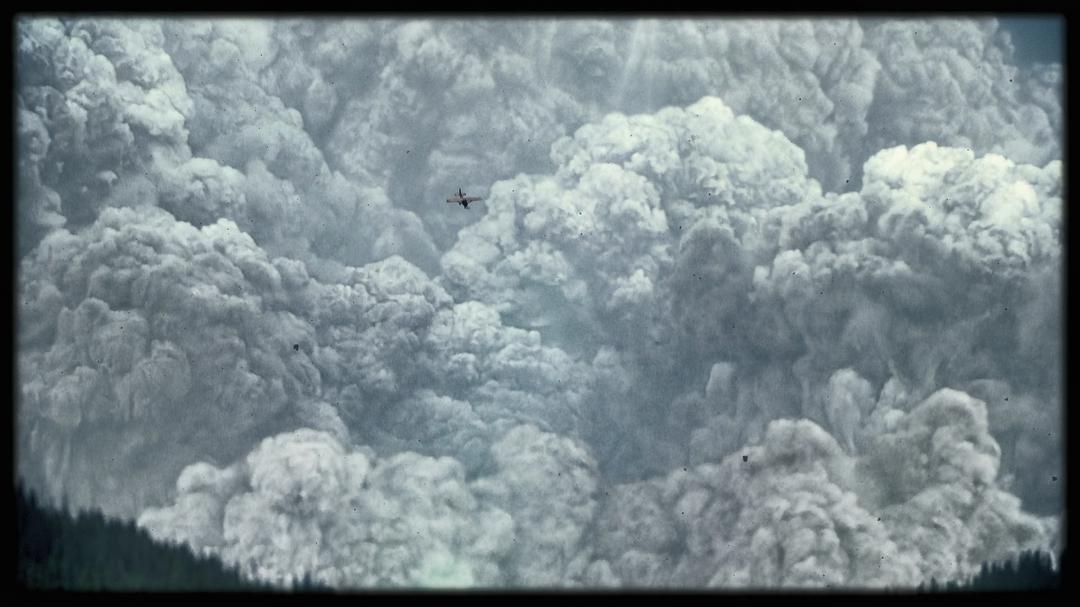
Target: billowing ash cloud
(397,105)
(94,100)
(406,106)
(797,511)
(748,303)
(106,118)
(794,510)
(953,82)
(148,343)
(692,238)
(548,549)
(300,504)
(939,277)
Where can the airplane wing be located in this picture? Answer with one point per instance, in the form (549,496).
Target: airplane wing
(472,198)
(453,200)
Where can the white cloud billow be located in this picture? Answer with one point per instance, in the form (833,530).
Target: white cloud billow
(828,246)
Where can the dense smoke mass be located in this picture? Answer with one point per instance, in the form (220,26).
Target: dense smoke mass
(746,304)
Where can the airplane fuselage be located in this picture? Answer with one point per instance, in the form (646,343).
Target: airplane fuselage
(462,199)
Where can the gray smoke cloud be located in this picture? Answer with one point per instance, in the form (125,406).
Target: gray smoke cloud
(748,303)
(796,510)
(150,342)
(809,302)
(135,112)
(953,82)
(398,104)
(147,332)
(300,504)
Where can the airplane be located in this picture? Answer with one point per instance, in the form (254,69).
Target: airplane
(462,199)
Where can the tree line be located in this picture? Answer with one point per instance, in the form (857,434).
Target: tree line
(87,551)
(1030,570)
